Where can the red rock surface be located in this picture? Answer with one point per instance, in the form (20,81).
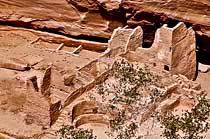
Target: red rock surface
(58,16)
(45,33)
(98,18)
(152,14)
(194,11)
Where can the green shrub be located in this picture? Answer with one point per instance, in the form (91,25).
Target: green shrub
(70,132)
(190,124)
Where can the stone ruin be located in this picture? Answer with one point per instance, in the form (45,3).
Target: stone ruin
(53,53)
(44,95)
(175,48)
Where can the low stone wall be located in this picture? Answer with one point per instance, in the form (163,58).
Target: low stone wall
(74,95)
(92,118)
(86,107)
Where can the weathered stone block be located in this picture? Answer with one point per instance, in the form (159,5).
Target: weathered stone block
(69,78)
(46,82)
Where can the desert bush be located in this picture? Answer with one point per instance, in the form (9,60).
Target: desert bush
(124,90)
(71,132)
(189,125)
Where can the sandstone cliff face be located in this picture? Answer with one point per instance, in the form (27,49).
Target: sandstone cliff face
(58,16)
(96,19)
(152,14)
(194,11)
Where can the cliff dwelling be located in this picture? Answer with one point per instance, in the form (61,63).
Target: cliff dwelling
(104,69)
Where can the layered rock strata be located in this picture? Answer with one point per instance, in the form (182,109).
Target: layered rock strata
(96,19)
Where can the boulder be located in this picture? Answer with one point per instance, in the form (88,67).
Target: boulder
(69,78)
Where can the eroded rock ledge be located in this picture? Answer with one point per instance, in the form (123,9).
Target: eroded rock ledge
(95,19)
